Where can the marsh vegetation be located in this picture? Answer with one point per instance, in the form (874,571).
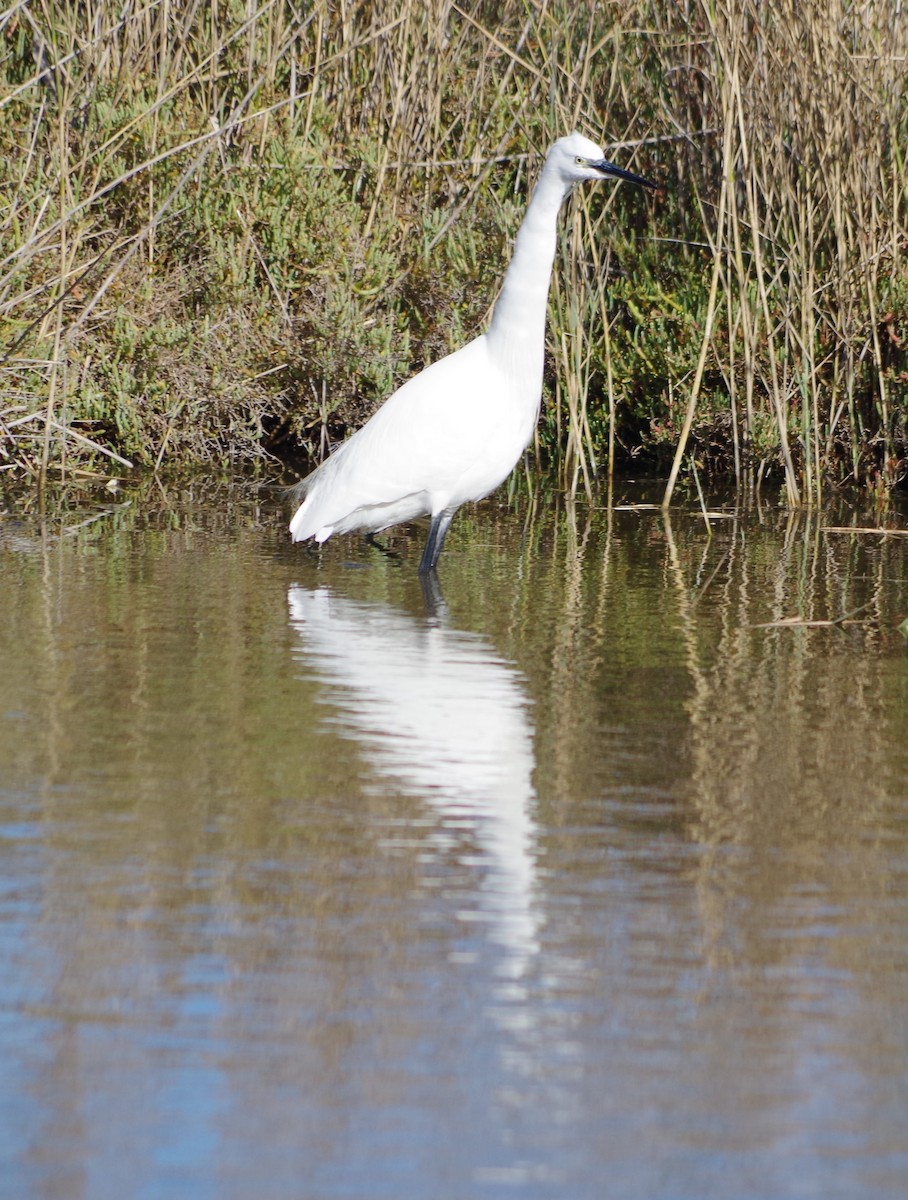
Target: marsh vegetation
(227,230)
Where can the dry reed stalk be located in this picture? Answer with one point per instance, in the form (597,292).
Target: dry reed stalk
(687,425)
(120,110)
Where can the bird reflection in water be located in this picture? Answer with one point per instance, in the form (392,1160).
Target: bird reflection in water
(440,716)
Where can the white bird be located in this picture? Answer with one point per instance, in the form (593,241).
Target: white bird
(455,431)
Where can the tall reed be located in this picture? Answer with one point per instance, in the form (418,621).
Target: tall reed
(810,243)
(229,229)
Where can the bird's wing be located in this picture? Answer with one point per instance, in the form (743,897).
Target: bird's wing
(416,446)
(426,430)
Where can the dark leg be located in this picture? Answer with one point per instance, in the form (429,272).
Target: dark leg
(437,532)
(371,540)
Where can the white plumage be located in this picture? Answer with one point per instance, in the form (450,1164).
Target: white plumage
(454,432)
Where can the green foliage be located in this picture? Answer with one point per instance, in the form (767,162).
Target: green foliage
(232,232)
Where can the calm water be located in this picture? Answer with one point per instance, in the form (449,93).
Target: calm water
(572,881)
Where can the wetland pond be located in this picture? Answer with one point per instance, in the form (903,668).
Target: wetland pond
(578,876)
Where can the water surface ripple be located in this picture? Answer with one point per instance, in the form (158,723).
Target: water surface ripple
(582,873)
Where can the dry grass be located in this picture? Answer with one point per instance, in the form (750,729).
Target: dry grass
(229,229)
(808,242)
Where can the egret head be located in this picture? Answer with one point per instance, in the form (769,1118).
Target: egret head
(576,158)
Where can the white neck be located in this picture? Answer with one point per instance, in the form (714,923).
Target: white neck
(518,322)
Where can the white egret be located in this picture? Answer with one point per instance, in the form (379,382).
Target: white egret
(455,431)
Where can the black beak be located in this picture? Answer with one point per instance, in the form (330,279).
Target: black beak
(612,172)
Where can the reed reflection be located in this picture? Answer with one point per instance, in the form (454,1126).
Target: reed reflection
(437,714)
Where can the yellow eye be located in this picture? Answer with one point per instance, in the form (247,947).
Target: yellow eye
(580,160)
